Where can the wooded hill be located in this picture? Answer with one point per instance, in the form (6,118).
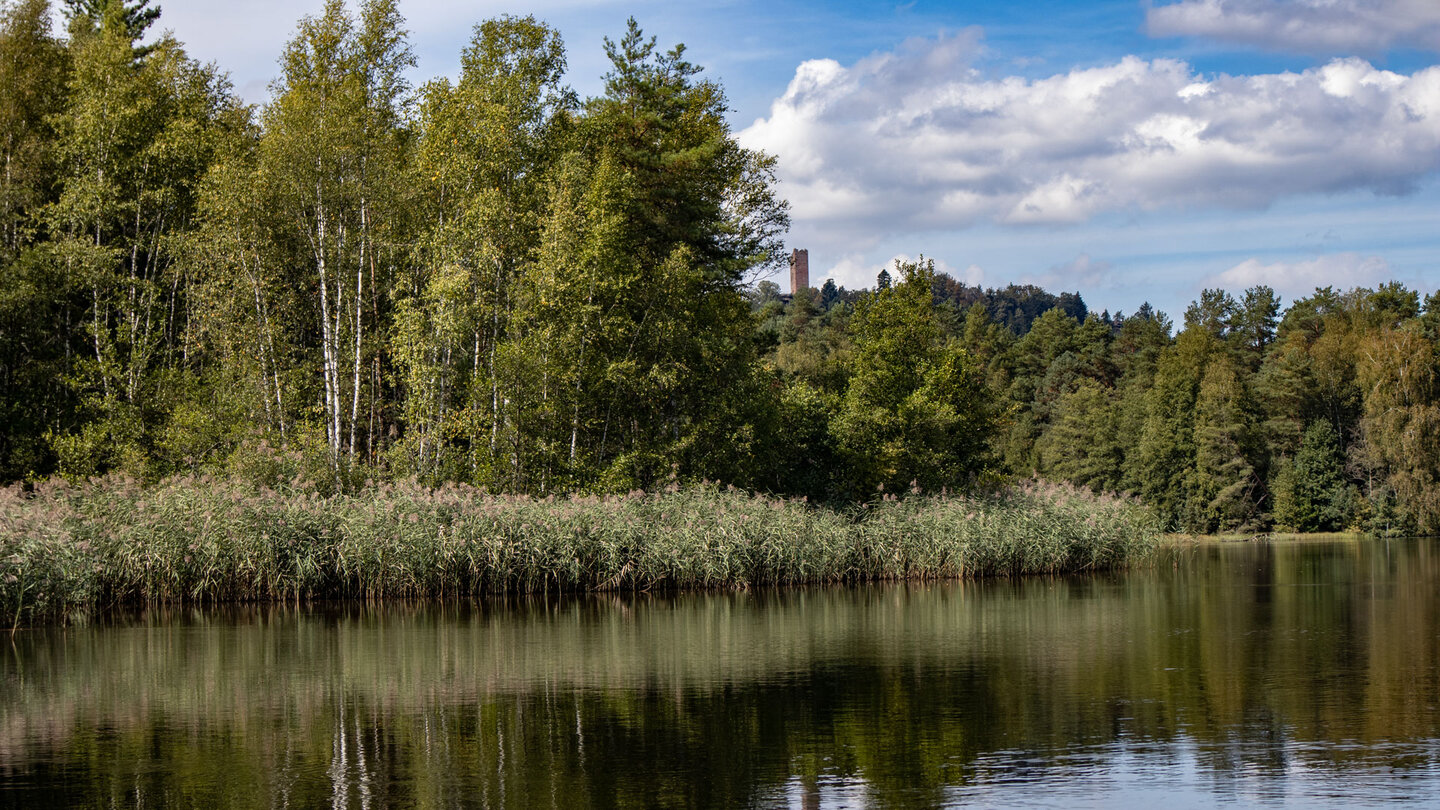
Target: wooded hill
(1320,417)
(491,280)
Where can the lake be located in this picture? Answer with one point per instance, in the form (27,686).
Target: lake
(1300,673)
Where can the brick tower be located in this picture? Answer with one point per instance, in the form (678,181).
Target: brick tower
(799,270)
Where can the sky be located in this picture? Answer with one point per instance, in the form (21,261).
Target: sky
(1129,150)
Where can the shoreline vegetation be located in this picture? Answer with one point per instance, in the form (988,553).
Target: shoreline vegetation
(1184,539)
(488,284)
(73,551)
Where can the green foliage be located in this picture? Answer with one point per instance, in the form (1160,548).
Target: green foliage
(1310,491)
(492,281)
(1227,481)
(330,168)
(916,410)
(35,298)
(132,146)
(33,69)
(1400,426)
(1165,457)
(1255,319)
(1215,313)
(134,18)
(485,153)
(1083,444)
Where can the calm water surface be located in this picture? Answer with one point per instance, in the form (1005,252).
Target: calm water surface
(1299,674)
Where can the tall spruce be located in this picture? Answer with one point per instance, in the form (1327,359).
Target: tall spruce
(1310,491)
(1226,486)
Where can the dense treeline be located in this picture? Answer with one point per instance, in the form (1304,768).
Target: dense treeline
(489,280)
(1324,416)
(486,279)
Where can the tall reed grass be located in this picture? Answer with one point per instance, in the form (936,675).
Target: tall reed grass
(70,550)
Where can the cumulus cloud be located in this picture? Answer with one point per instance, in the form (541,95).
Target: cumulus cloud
(1299,278)
(916,139)
(1080,273)
(1309,26)
(854,272)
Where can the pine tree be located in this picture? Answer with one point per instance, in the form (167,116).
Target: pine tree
(829,294)
(1310,490)
(133,18)
(1256,317)
(1226,484)
(701,218)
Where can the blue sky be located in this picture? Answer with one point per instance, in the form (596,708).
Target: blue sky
(1133,151)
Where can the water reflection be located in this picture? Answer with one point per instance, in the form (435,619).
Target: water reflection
(1303,673)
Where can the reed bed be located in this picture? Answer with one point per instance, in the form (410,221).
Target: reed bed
(72,550)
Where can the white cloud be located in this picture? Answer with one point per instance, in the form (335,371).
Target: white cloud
(1080,273)
(1309,26)
(1300,278)
(916,140)
(854,272)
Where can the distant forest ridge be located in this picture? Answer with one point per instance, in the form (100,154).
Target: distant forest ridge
(1321,416)
(1015,306)
(491,280)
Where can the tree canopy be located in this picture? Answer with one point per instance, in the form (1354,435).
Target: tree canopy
(490,279)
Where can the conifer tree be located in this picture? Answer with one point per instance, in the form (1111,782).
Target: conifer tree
(1310,490)
(133,18)
(1226,485)
(1164,460)
(701,218)
(1082,444)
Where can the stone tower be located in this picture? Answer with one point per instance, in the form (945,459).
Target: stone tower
(799,270)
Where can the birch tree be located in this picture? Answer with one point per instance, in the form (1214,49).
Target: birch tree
(138,132)
(484,153)
(330,161)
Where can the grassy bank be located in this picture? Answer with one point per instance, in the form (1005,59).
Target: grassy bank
(73,550)
(1182,539)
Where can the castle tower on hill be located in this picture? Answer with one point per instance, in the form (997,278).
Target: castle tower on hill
(799,270)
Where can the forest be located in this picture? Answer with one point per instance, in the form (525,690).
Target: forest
(487,280)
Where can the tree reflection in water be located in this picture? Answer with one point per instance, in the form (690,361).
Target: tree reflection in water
(1254,672)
